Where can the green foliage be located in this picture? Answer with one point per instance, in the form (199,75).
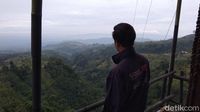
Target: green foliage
(75,77)
(164,46)
(62,89)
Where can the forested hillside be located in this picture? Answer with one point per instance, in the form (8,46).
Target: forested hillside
(62,89)
(162,46)
(73,75)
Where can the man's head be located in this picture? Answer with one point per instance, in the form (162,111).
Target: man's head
(124,36)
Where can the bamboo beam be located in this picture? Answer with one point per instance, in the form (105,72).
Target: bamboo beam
(159,103)
(161,77)
(181,78)
(91,107)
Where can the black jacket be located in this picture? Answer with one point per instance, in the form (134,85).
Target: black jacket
(127,83)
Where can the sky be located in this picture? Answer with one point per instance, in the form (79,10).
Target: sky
(64,18)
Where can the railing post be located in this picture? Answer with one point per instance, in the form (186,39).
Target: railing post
(181,88)
(164,87)
(173,52)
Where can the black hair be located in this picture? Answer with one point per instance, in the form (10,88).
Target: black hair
(124,34)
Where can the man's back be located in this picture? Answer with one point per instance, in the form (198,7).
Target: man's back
(127,83)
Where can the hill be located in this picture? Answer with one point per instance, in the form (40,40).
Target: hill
(62,89)
(74,74)
(163,46)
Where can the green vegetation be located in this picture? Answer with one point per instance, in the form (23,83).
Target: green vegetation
(164,46)
(62,89)
(76,77)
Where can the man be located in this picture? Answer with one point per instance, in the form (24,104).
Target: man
(127,83)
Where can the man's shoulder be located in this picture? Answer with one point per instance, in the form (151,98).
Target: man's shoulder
(141,57)
(130,64)
(137,58)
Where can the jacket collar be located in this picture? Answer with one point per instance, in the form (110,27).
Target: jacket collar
(124,54)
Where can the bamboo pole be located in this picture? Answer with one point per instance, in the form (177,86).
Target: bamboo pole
(173,51)
(36,20)
(181,88)
(193,97)
(164,86)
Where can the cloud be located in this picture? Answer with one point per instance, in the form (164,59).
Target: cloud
(149,32)
(15,23)
(68,17)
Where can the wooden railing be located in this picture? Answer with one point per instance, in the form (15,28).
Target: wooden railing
(92,106)
(159,103)
(163,99)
